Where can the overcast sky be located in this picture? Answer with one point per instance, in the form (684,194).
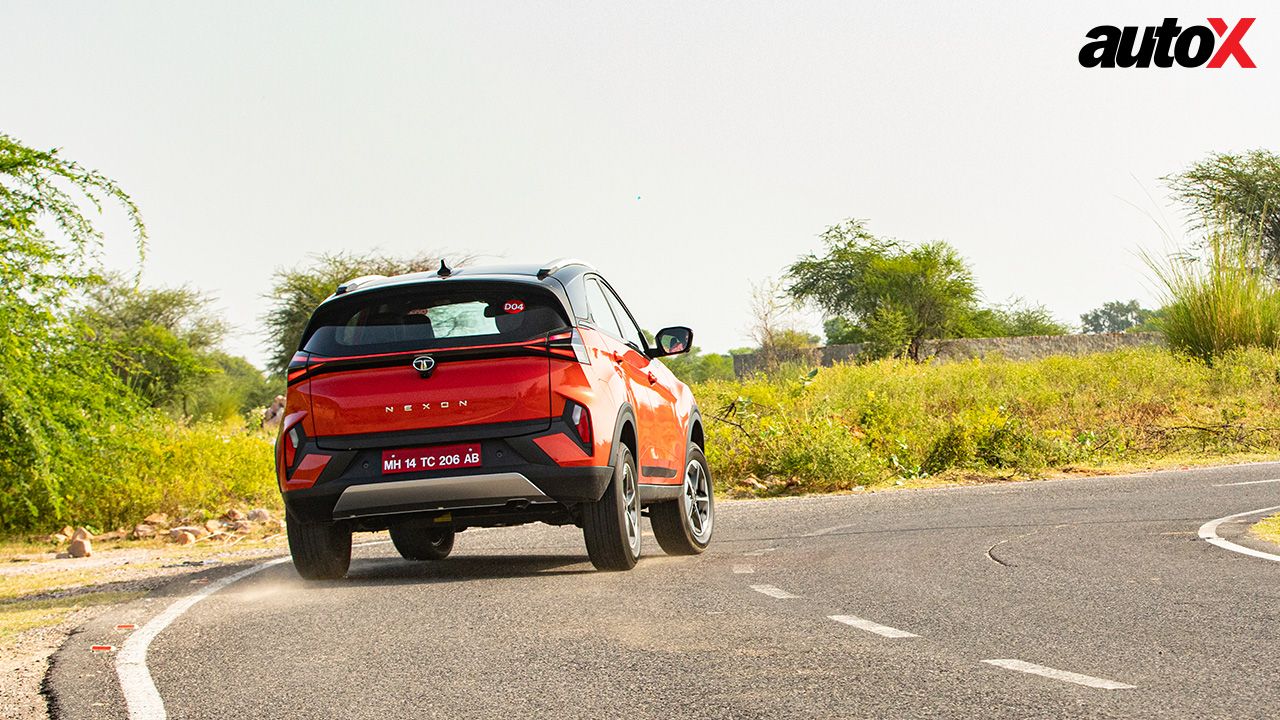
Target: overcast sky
(686,149)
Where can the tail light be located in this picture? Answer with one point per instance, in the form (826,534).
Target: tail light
(569,345)
(580,420)
(297,366)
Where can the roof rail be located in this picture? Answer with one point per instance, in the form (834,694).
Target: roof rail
(557,264)
(354,283)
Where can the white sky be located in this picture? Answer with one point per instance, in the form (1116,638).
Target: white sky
(686,149)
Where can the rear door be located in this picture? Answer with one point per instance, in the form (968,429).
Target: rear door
(655,413)
(431,355)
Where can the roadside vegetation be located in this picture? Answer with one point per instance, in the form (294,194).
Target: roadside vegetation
(114,399)
(117,399)
(896,421)
(1268,529)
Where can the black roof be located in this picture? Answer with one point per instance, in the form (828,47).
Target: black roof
(561,269)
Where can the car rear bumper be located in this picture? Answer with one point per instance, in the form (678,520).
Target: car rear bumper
(517,475)
(354,499)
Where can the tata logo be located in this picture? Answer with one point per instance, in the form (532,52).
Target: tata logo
(424,364)
(1167,43)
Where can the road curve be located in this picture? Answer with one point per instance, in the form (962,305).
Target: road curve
(1081,598)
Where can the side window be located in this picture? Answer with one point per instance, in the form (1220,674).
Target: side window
(601,315)
(630,332)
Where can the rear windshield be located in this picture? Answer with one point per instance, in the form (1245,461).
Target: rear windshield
(418,318)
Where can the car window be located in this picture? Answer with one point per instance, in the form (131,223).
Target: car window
(630,332)
(419,318)
(601,314)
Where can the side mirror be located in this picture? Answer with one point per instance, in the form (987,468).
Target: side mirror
(672,341)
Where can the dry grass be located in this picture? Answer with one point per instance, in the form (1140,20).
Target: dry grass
(19,616)
(1268,529)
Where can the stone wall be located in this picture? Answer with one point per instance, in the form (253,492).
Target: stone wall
(1031,347)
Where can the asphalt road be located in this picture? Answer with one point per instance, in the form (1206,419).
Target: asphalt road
(1105,578)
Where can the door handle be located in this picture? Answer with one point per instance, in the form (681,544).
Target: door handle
(653,379)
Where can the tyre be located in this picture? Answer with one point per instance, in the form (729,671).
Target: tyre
(683,526)
(418,540)
(321,551)
(611,525)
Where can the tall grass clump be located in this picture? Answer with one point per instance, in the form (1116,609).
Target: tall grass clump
(1221,300)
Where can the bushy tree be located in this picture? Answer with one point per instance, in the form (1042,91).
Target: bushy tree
(57,392)
(896,294)
(161,340)
(840,331)
(1239,193)
(696,367)
(1115,316)
(295,292)
(1017,318)
(233,390)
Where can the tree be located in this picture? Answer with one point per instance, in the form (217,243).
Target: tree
(233,390)
(696,367)
(296,292)
(57,392)
(1115,316)
(1016,318)
(161,340)
(895,294)
(774,327)
(1236,192)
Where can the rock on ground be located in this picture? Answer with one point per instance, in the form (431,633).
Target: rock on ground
(80,548)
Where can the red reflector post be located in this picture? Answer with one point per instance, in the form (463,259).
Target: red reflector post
(290,446)
(581,420)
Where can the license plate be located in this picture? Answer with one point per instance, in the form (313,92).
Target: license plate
(440,457)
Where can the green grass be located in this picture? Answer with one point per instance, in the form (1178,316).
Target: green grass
(188,470)
(1220,301)
(900,422)
(1268,529)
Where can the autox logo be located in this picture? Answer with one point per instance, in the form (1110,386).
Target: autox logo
(1167,43)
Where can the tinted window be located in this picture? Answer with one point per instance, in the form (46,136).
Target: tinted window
(406,319)
(601,315)
(630,332)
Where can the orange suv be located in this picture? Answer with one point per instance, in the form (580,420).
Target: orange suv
(429,403)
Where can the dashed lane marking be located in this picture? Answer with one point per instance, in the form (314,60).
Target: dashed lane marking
(742,570)
(871,627)
(774,592)
(1248,482)
(1063,675)
(832,529)
(758,553)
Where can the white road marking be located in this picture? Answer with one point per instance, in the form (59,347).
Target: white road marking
(742,570)
(1209,533)
(758,553)
(774,592)
(1063,675)
(834,528)
(1248,482)
(871,627)
(140,694)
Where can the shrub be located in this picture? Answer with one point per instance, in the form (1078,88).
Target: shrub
(1219,302)
(894,419)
